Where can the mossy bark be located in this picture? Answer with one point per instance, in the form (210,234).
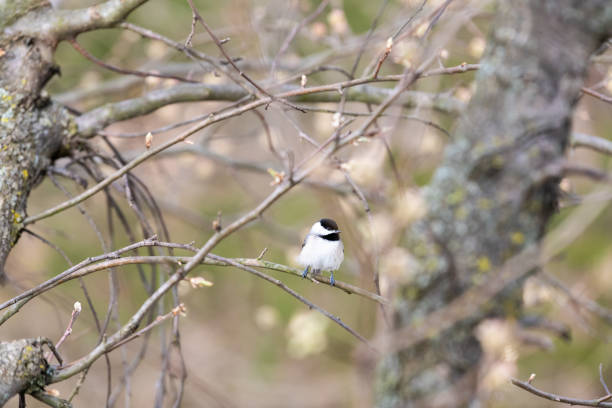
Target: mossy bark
(22,367)
(495,190)
(31,126)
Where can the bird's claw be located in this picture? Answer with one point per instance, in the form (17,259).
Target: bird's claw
(332,281)
(305,272)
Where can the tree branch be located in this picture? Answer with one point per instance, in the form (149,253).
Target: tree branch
(390,98)
(593,307)
(295,295)
(91,122)
(597,95)
(596,143)
(22,365)
(51,400)
(63,24)
(108,261)
(125,71)
(599,402)
(97,119)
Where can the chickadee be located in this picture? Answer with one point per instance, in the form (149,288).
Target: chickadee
(322,249)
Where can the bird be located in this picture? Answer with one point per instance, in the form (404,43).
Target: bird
(322,249)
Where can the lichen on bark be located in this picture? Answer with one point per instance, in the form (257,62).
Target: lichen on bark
(23,367)
(32,127)
(495,191)
(29,137)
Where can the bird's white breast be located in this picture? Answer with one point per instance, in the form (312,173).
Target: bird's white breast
(321,254)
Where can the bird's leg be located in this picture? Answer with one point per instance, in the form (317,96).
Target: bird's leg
(305,272)
(332,281)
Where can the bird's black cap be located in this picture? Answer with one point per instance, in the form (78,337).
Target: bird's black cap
(328,224)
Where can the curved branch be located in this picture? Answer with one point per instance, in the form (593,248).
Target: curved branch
(50,400)
(599,402)
(97,119)
(588,304)
(256,167)
(211,259)
(296,295)
(388,100)
(125,71)
(281,189)
(142,158)
(63,24)
(599,144)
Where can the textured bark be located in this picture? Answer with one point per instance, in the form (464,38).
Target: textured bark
(23,367)
(31,127)
(495,190)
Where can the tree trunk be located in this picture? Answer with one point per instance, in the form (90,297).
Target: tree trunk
(31,126)
(495,190)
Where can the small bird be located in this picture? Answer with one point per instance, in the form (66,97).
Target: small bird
(322,249)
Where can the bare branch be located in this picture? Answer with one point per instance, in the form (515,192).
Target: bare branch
(593,307)
(596,143)
(182,260)
(160,319)
(599,402)
(198,17)
(51,400)
(79,48)
(142,158)
(63,24)
(296,29)
(147,242)
(217,118)
(101,117)
(97,119)
(602,381)
(295,295)
(137,317)
(597,95)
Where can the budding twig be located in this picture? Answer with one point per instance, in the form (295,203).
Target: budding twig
(76,310)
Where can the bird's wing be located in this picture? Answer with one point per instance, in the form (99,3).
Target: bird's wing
(305,239)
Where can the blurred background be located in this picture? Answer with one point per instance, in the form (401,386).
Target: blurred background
(245,342)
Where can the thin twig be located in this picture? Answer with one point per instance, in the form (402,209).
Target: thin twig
(111,255)
(601,379)
(593,307)
(268,134)
(373,26)
(123,71)
(597,95)
(296,29)
(76,310)
(212,35)
(295,295)
(180,309)
(599,402)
